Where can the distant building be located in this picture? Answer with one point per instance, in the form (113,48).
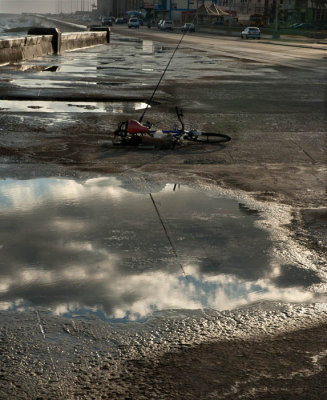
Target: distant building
(179,10)
(314,11)
(207,11)
(185,10)
(118,8)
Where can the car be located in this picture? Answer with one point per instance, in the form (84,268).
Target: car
(215,23)
(167,25)
(119,20)
(159,23)
(251,32)
(188,27)
(294,26)
(304,26)
(133,23)
(106,21)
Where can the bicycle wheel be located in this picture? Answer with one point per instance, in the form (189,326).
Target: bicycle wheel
(209,137)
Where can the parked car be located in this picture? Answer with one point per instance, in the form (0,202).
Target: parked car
(119,21)
(188,27)
(294,26)
(133,23)
(251,32)
(167,25)
(305,26)
(215,23)
(106,21)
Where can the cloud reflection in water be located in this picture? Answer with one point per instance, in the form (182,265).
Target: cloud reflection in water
(98,246)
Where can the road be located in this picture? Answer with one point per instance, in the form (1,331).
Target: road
(270,98)
(294,54)
(57,120)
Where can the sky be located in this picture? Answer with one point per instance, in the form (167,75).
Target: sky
(44,6)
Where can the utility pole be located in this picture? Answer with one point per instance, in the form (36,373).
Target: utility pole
(276,34)
(230,17)
(197,12)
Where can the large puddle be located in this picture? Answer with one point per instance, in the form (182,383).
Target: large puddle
(123,250)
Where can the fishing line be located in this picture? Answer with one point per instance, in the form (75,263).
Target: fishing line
(167,234)
(163,74)
(49,352)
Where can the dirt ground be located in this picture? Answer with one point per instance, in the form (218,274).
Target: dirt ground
(276,117)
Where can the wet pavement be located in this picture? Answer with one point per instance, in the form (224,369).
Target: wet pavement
(15,106)
(122,267)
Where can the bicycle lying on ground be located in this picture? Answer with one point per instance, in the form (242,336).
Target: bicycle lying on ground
(136,134)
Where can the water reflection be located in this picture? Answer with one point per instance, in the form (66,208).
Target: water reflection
(43,84)
(148,47)
(114,107)
(98,246)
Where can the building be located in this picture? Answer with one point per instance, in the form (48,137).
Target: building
(118,8)
(180,10)
(185,10)
(159,9)
(207,11)
(313,11)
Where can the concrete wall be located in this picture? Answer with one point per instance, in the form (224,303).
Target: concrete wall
(14,50)
(43,43)
(77,40)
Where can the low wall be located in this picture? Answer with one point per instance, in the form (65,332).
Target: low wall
(77,40)
(14,50)
(49,41)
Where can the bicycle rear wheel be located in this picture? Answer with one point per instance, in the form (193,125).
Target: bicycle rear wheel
(209,137)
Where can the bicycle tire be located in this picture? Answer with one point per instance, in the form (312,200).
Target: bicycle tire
(209,137)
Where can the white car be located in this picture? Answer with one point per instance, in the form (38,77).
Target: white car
(251,32)
(159,23)
(188,27)
(133,23)
(167,25)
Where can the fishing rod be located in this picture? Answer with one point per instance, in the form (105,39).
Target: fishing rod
(167,234)
(163,74)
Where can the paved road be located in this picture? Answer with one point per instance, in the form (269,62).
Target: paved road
(276,116)
(289,54)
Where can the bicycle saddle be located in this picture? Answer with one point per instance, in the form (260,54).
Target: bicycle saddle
(136,127)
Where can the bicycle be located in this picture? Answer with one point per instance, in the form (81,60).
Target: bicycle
(134,133)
